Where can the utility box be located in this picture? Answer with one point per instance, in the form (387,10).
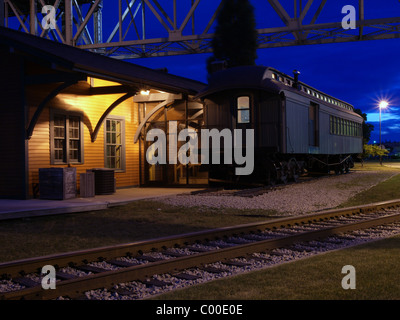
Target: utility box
(87,186)
(57,183)
(104,180)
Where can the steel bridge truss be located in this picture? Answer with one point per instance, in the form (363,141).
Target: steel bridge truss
(148,28)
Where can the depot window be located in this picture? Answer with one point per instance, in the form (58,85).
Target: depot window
(243,109)
(114,143)
(66,142)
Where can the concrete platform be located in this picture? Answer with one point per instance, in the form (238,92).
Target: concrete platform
(14,209)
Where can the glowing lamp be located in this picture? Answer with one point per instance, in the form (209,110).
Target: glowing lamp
(383,104)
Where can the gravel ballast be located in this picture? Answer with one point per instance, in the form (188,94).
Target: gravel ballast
(320,194)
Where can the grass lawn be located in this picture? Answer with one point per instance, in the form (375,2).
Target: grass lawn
(386,190)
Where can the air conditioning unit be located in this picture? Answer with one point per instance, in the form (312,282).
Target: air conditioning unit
(57,183)
(104,180)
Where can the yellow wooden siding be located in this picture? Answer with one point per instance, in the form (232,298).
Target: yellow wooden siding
(92,108)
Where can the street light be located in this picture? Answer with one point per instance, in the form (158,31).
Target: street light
(382,105)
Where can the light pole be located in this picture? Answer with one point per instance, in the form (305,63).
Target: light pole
(382,105)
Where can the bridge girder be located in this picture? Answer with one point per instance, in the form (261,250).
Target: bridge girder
(148,28)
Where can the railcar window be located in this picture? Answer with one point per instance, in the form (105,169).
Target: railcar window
(335,125)
(341,129)
(243,109)
(344,127)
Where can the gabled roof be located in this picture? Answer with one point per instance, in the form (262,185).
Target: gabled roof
(96,65)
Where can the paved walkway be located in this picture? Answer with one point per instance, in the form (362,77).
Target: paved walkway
(392,165)
(10,209)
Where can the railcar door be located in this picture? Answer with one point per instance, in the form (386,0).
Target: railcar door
(313,126)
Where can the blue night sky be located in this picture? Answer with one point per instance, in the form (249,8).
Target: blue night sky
(360,73)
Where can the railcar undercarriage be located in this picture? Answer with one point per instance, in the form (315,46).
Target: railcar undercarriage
(278,168)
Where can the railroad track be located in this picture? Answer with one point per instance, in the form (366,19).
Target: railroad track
(181,257)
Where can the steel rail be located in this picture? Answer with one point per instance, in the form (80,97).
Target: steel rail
(77,286)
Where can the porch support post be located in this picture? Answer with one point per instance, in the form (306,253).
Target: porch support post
(2,13)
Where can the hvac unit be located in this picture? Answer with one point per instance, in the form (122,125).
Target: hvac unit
(57,183)
(104,180)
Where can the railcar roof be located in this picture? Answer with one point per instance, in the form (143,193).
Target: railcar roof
(243,77)
(267,79)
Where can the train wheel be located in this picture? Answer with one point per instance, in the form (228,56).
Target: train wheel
(272,174)
(294,170)
(283,178)
(283,173)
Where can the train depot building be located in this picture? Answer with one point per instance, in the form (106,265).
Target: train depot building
(62,107)
(68,114)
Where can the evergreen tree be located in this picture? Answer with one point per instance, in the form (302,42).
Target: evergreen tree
(235,37)
(366,127)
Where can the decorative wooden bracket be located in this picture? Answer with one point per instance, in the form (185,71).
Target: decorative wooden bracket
(40,108)
(108,111)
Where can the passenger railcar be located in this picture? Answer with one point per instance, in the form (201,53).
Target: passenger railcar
(297,128)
